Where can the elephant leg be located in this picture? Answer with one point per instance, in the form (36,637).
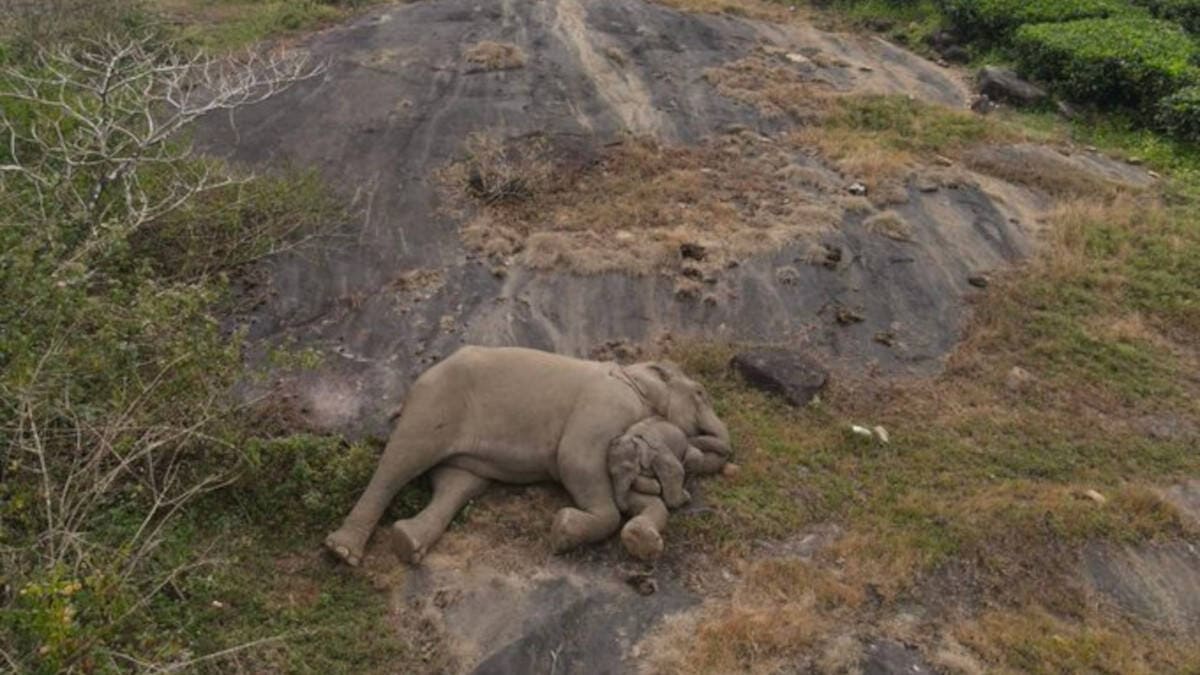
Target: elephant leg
(586,479)
(642,535)
(452,489)
(670,476)
(406,457)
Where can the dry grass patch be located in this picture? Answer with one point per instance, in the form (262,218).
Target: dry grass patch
(889,224)
(488,55)
(776,87)
(1045,169)
(639,205)
(784,610)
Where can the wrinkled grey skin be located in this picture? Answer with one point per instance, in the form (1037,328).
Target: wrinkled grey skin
(521,416)
(653,448)
(648,466)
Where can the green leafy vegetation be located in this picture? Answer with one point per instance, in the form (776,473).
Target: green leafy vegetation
(1184,12)
(994,20)
(1179,114)
(122,544)
(1110,62)
(230,24)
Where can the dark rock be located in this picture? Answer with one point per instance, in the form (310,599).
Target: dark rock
(791,374)
(886,657)
(942,40)
(879,24)
(978,281)
(956,54)
(1002,84)
(693,251)
(847,316)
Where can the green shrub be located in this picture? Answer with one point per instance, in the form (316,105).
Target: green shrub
(993,20)
(1179,114)
(1110,62)
(1183,12)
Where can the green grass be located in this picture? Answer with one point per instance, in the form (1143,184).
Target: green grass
(976,470)
(232,24)
(902,123)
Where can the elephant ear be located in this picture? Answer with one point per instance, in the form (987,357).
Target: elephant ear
(665,370)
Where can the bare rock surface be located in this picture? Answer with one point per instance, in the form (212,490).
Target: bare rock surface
(399,101)
(1158,584)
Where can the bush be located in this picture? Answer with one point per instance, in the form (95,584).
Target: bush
(1183,12)
(1179,114)
(1110,62)
(995,19)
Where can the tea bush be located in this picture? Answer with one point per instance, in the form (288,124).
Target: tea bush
(1179,114)
(1130,61)
(1184,12)
(993,20)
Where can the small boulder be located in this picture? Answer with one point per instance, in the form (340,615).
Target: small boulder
(791,374)
(956,54)
(693,251)
(1002,84)
(942,40)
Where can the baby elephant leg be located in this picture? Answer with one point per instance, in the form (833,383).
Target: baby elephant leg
(642,535)
(452,489)
(670,475)
(645,485)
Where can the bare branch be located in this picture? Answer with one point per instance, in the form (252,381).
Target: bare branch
(116,109)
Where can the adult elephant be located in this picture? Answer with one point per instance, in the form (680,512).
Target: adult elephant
(521,416)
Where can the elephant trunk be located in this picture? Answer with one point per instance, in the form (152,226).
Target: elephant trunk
(711,425)
(712,445)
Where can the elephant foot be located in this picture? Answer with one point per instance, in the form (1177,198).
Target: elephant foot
(564,534)
(407,548)
(345,545)
(641,540)
(573,528)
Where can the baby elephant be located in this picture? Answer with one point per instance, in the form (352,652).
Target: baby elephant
(651,449)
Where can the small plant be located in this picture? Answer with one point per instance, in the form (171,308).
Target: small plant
(488,55)
(1110,62)
(497,172)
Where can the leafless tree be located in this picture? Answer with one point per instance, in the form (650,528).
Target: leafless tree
(106,149)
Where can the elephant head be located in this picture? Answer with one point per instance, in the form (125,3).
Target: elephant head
(683,402)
